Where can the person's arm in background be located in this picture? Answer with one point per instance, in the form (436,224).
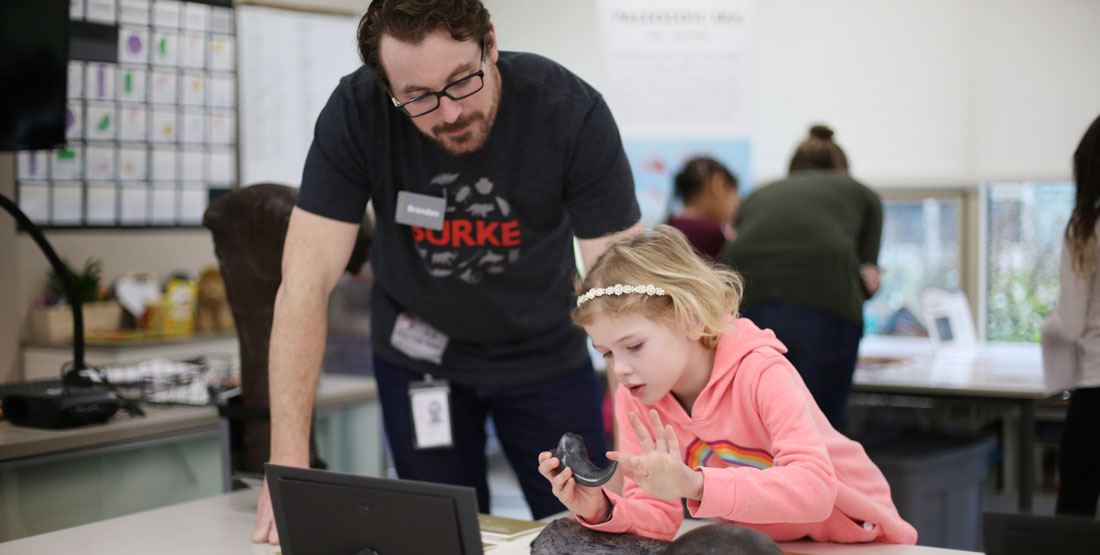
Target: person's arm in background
(1066,322)
(870,240)
(315,254)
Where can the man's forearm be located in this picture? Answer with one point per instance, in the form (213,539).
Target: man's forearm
(294,363)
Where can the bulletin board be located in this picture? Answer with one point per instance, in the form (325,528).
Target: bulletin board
(151,122)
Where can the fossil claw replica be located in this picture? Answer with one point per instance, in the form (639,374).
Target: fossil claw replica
(571,452)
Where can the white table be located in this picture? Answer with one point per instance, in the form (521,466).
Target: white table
(222,525)
(998,373)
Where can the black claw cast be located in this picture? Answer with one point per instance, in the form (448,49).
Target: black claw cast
(571,452)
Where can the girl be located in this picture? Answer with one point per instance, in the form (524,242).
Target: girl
(1071,336)
(719,416)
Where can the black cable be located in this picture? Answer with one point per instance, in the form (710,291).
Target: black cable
(100,378)
(73,376)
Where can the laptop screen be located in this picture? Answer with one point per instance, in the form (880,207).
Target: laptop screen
(320,512)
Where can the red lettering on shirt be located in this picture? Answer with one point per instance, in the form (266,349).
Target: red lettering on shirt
(485,233)
(509,234)
(476,233)
(460,233)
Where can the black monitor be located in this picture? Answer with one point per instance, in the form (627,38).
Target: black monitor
(34,56)
(320,512)
(1027,534)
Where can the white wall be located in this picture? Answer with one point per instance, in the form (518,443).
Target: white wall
(919,92)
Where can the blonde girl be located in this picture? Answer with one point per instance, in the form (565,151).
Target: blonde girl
(716,415)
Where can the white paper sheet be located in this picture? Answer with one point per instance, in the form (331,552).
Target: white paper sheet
(100,11)
(165,165)
(101,122)
(193,88)
(32,165)
(67,163)
(165,48)
(221,53)
(193,126)
(101,161)
(76,80)
(74,120)
(163,206)
(133,163)
(133,123)
(134,204)
(167,13)
(102,207)
(34,201)
(67,205)
(289,65)
(196,17)
(164,125)
(99,81)
(134,11)
(193,50)
(132,84)
(133,45)
(193,165)
(192,203)
(163,85)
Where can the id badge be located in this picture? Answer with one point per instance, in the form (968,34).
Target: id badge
(417,339)
(420,210)
(431,412)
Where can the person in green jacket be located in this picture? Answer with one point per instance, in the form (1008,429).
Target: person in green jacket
(807,247)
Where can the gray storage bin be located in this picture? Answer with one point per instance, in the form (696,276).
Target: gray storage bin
(937,483)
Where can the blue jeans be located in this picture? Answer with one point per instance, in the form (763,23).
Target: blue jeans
(823,348)
(528,419)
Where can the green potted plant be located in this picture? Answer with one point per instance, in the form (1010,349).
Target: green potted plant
(52,319)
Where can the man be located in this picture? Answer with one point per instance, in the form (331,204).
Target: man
(482,166)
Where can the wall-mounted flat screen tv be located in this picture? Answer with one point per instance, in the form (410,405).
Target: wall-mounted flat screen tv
(34,52)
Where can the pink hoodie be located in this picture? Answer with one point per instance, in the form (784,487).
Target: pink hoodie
(770,459)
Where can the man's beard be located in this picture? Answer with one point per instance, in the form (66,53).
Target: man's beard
(475,137)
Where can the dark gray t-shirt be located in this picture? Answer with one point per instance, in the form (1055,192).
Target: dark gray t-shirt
(497,279)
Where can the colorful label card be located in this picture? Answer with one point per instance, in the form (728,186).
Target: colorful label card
(99,81)
(101,121)
(133,45)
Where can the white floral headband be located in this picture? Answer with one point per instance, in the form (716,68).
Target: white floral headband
(619,289)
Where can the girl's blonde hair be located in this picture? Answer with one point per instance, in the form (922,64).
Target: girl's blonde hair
(696,291)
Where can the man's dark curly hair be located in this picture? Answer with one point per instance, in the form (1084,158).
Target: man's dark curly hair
(411,20)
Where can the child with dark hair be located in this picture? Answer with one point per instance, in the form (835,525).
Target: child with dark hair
(710,195)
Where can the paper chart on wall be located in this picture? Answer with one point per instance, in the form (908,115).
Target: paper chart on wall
(678,70)
(290,63)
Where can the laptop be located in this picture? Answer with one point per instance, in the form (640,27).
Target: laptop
(1027,534)
(321,512)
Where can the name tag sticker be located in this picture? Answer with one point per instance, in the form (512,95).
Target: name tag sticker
(418,339)
(420,210)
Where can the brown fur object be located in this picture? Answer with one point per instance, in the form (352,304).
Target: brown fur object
(213,312)
(249,226)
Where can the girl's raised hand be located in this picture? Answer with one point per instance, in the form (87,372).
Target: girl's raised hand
(588,503)
(659,470)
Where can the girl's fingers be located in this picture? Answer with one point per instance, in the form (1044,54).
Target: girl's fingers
(640,432)
(659,442)
(673,442)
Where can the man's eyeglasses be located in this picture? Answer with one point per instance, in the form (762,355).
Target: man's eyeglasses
(456,90)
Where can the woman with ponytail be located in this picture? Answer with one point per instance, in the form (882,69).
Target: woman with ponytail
(1071,336)
(807,247)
